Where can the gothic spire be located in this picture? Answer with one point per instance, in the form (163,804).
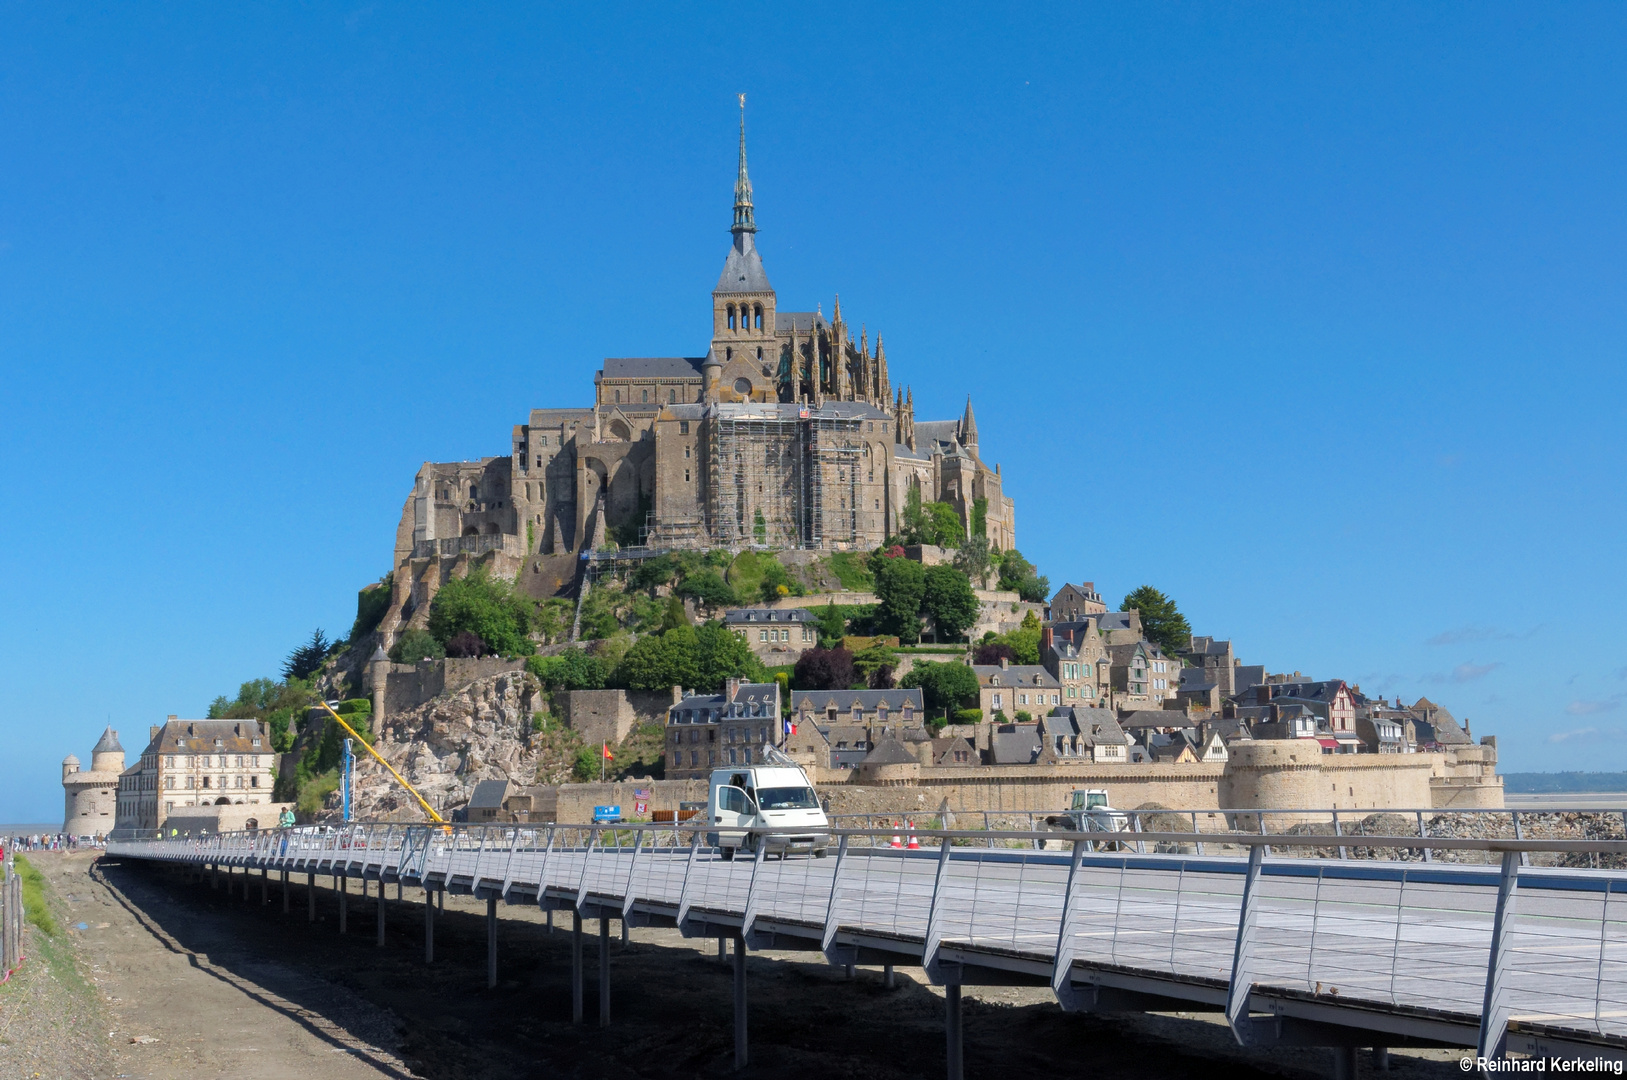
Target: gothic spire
(745,220)
(968,427)
(883,384)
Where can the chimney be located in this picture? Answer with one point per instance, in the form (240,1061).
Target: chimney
(152,732)
(1262,695)
(1046,636)
(172,716)
(1005,662)
(677,693)
(731,686)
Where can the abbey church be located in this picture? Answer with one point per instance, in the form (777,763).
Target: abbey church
(786,433)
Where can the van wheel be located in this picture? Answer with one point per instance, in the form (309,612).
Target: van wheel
(820,854)
(727,854)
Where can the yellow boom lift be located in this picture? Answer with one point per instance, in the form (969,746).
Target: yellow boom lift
(428,809)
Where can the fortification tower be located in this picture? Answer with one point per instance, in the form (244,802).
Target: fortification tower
(90,798)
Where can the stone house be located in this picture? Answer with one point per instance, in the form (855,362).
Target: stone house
(955,751)
(1198,691)
(708,731)
(504,800)
(1076,656)
(1012,688)
(95,799)
(777,636)
(1381,735)
(1215,660)
(1332,702)
(1071,735)
(1073,603)
(898,707)
(190,763)
(1142,676)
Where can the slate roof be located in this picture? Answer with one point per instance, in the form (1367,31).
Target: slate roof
(109,742)
(1208,646)
(1245,676)
(1323,692)
(1116,620)
(488,795)
(652,367)
(820,701)
(760,699)
(1152,718)
(800,321)
(890,751)
(209,736)
(1018,745)
(1015,675)
(743,269)
(1194,681)
(768,615)
(1095,727)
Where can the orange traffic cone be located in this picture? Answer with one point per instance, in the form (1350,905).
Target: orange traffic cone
(914,844)
(896,842)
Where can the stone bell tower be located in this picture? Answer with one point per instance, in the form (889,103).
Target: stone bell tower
(743,362)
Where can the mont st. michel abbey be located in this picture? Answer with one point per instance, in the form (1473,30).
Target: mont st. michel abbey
(787,433)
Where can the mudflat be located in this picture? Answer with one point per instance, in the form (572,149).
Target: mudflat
(225,985)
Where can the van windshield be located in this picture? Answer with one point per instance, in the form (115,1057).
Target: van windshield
(787,798)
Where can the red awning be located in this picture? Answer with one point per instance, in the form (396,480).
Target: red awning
(1329,744)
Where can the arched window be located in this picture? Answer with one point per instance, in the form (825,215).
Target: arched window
(618,397)
(672,397)
(757,312)
(759,354)
(646,397)
(731,316)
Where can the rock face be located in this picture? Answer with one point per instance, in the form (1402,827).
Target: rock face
(481,731)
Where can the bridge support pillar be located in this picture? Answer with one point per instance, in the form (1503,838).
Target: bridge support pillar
(343,886)
(739,1001)
(310,896)
(265,886)
(576,967)
(491,943)
(378,914)
(1344,1063)
(1381,1059)
(285,890)
(722,948)
(952,1031)
(887,980)
(429,926)
(604,970)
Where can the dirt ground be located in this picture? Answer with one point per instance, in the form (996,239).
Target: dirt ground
(224,986)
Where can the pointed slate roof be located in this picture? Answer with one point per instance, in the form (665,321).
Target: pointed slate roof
(889,751)
(108,743)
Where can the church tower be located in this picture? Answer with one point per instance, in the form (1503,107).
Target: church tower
(744,359)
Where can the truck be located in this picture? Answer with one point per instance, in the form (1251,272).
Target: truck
(1088,811)
(774,794)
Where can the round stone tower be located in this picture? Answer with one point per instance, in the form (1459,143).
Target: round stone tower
(91,798)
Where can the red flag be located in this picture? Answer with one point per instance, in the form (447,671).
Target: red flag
(608,756)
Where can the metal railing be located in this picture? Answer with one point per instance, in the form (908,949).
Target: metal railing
(1468,948)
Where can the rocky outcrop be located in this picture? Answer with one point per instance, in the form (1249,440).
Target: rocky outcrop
(480,731)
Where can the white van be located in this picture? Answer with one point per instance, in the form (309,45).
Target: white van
(772,796)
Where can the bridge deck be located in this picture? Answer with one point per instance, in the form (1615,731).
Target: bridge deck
(1341,948)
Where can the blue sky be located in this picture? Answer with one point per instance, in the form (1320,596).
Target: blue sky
(1310,316)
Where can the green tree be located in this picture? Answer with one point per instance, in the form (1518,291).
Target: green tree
(912,524)
(415,645)
(1161,622)
(832,626)
(304,661)
(486,607)
(676,614)
(900,588)
(943,686)
(972,559)
(948,601)
(945,526)
(708,587)
(722,653)
(661,661)
(1018,575)
(980,517)
(1024,640)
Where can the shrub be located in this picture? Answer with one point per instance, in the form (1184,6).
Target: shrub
(968,716)
(585,765)
(466,644)
(993,653)
(651,574)
(943,686)
(1024,716)
(372,602)
(573,669)
(416,645)
(824,669)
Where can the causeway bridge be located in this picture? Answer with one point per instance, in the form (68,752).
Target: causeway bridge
(1306,940)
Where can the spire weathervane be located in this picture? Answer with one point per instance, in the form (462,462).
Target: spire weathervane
(744,219)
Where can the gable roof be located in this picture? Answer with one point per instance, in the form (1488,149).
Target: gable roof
(488,795)
(844,700)
(889,751)
(1018,745)
(209,736)
(652,367)
(1017,675)
(731,616)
